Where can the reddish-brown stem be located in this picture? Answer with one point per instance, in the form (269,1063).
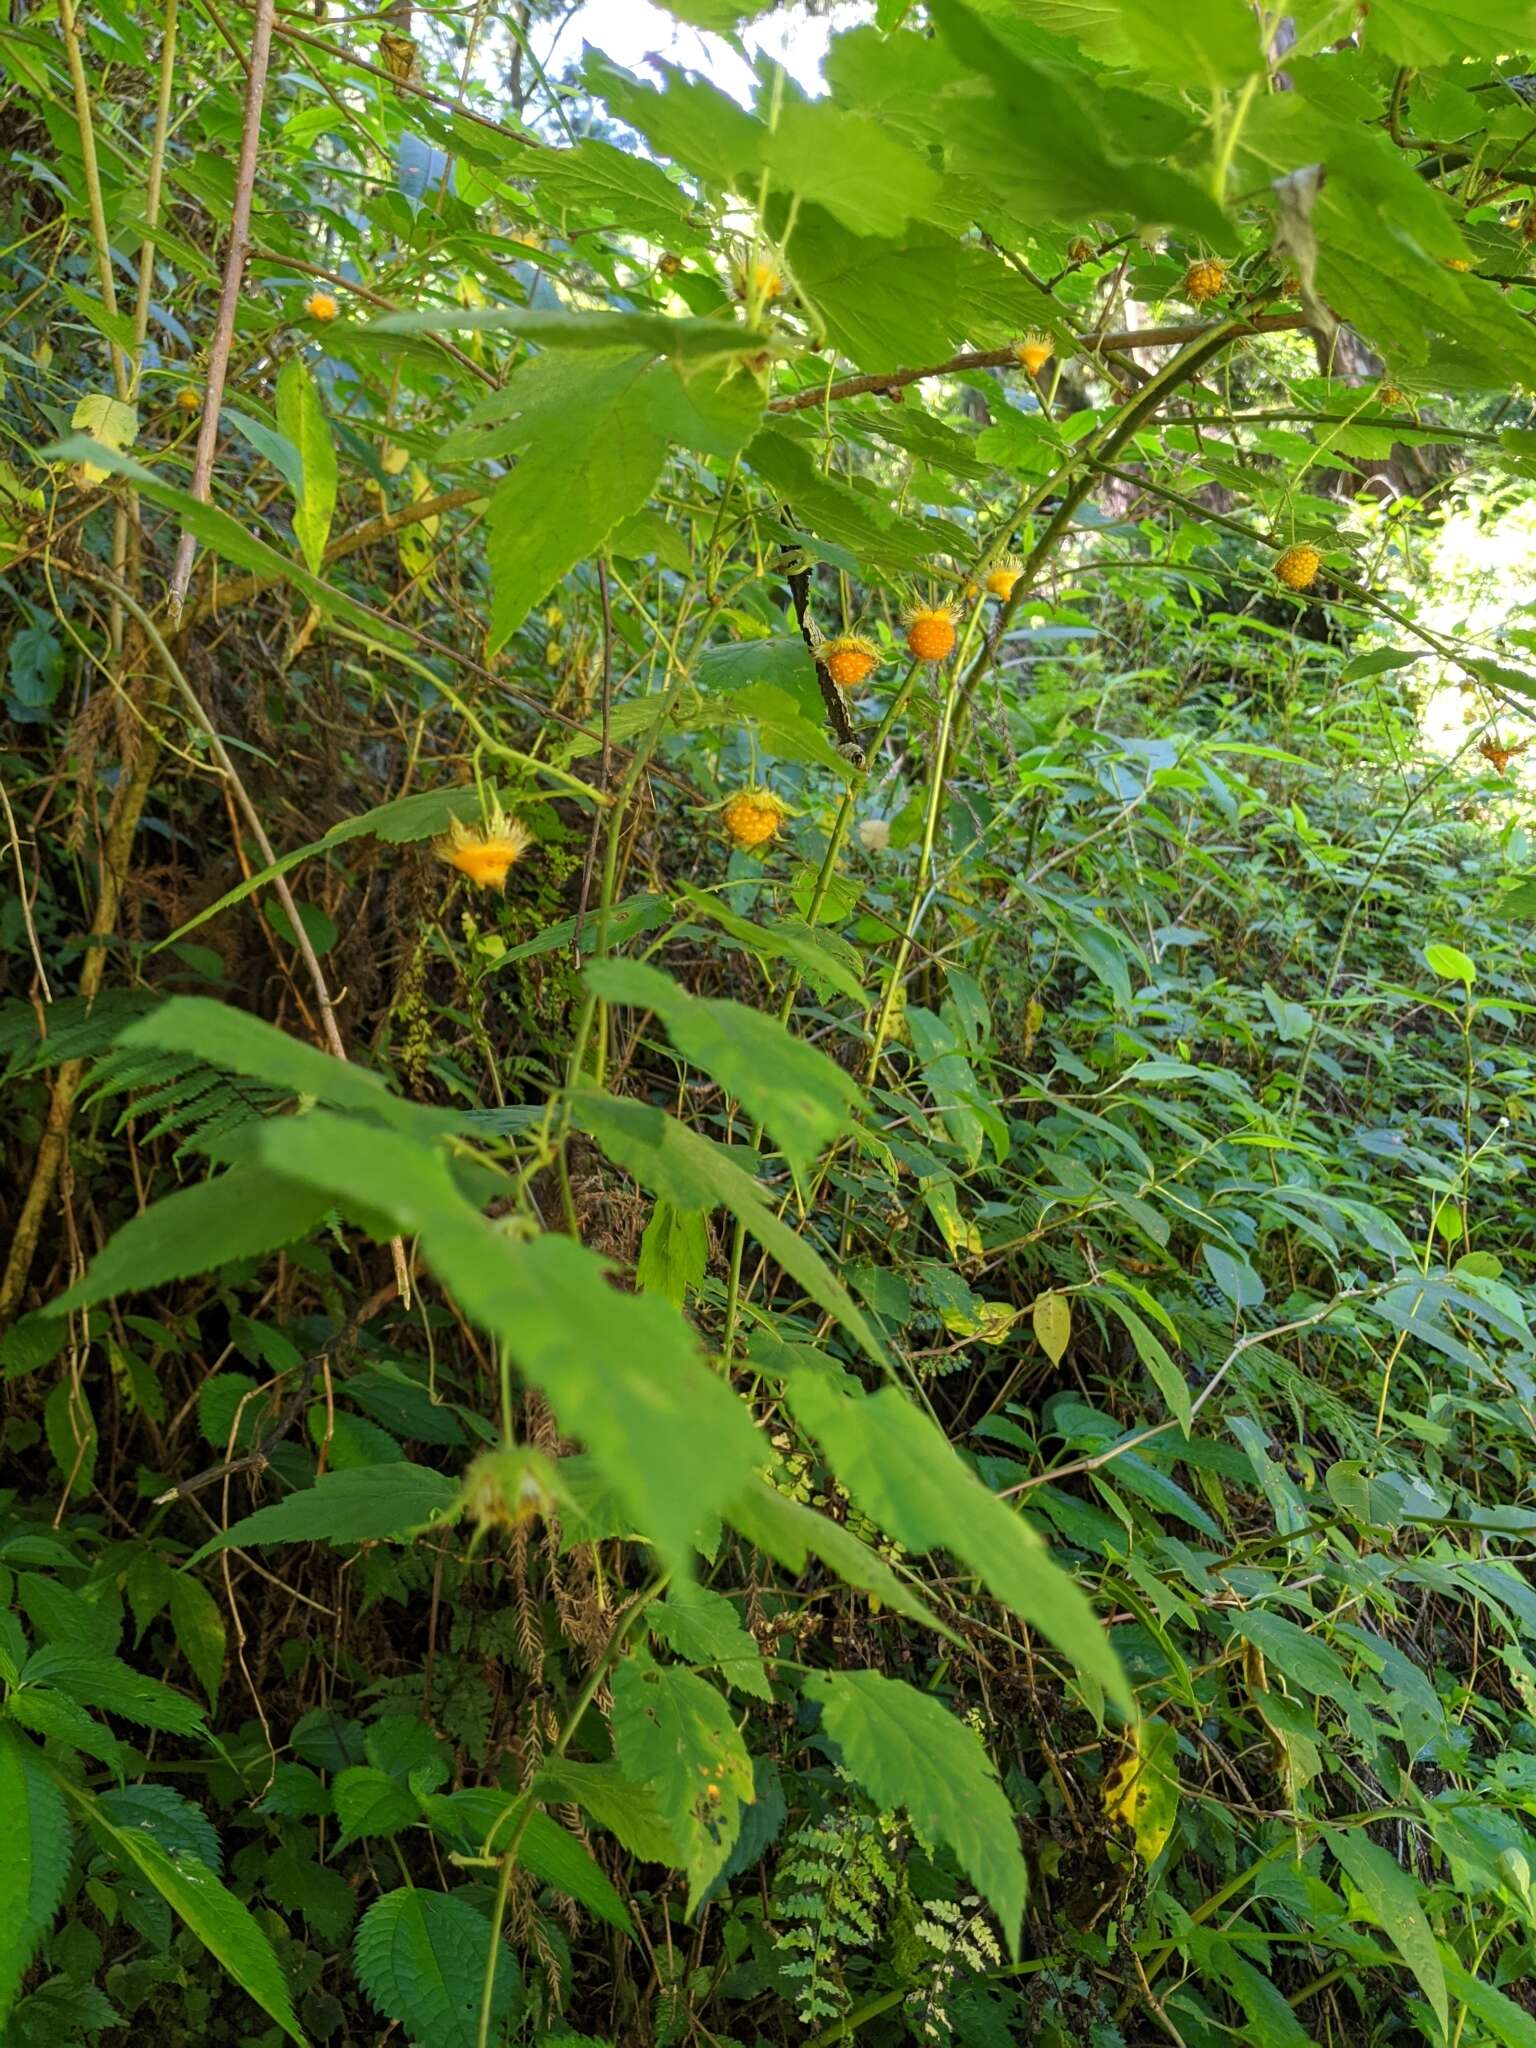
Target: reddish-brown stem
(229,297)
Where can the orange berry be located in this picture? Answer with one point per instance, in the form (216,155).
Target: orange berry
(1204,280)
(1389,394)
(1034,352)
(849,660)
(752,817)
(1297,567)
(320,306)
(1081,251)
(761,278)
(931,632)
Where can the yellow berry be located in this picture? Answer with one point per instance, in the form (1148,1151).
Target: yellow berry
(1003,575)
(931,632)
(849,660)
(753,817)
(187,399)
(1204,280)
(1389,394)
(1034,352)
(669,264)
(761,278)
(1297,568)
(1457,263)
(320,306)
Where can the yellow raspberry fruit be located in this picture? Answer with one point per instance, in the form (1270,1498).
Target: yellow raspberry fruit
(1457,263)
(187,400)
(1204,280)
(1035,351)
(1002,576)
(320,306)
(761,278)
(849,660)
(1297,568)
(931,631)
(1389,394)
(486,852)
(753,817)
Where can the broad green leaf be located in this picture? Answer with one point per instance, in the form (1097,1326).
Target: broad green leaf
(674,1732)
(1450,963)
(35,1865)
(629,1811)
(231,1038)
(361,1504)
(243,1212)
(199,1628)
(421,1958)
(674,1252)
(703,1627)
(369,1803)
(1310,1664)
(908,1750)
(686,1168)
(900,1470)
(1391,1896)
(621,1371)
(853,166)
(214,1915)
(803,1098)
(302,422)
(1153,1353)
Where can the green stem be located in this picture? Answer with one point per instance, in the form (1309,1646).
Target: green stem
(573,1721)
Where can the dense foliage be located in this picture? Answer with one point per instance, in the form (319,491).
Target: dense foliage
(768,1060)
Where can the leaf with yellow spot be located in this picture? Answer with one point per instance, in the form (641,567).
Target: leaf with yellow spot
(108,420)
(1141,1789)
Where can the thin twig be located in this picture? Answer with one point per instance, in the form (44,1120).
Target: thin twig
(229,296)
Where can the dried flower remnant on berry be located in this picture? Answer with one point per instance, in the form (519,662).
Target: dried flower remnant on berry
(1297,567)
(321,306)
(752,818)
(849,660)
(1204,280)
(487,852)
(1035,351)
(931,631)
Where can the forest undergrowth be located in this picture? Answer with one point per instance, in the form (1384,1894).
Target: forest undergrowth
(767,1115)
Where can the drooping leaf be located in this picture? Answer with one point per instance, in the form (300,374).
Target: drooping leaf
(1391,1897)
(908,1750)
(224,1927)
(904,1474)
